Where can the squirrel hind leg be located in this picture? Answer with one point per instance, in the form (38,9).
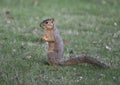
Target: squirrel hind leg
(52,58)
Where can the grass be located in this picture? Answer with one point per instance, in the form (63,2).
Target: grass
(91,27)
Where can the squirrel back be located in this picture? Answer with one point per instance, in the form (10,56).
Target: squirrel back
(56,48)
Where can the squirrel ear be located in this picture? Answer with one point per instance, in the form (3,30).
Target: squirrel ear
(52,19)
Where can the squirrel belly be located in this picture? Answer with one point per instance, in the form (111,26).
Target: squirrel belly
(56,48)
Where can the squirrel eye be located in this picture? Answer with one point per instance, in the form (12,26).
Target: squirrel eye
(46,22)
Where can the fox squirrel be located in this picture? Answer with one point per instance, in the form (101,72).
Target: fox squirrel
(56,47)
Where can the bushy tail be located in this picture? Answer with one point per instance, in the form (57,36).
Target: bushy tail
(84,59)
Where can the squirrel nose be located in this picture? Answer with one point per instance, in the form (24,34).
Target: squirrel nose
(40,25)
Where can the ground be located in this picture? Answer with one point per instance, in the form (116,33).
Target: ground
(87,26)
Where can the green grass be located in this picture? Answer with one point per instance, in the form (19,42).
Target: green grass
(89,26)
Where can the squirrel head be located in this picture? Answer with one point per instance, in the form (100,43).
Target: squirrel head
(47,24)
